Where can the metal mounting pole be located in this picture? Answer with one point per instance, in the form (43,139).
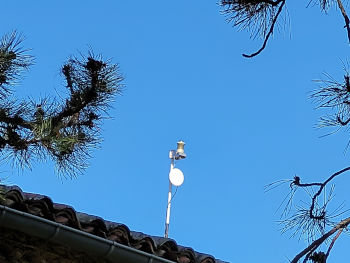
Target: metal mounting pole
(175,178)
(167,218)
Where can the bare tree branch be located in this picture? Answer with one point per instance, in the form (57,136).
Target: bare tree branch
(270,2)
(268,34)
(346,18)
(260,16)
(321,187)
(333,241)
(314,245)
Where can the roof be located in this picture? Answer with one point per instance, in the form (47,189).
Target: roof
(42,206)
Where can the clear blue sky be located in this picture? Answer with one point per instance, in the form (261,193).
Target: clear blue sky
(246,123)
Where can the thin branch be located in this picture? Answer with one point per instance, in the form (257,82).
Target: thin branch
(270,2)
(324,184)
(346,18)
(16,120)
(268,34)
(321,185)
(343,123)
(333,241)
(314,245)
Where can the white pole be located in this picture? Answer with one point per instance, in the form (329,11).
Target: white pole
(167,219)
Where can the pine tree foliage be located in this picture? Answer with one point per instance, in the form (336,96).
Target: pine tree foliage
(13,60)
(334,95)
(253,15)
(65,130)
(312,218)
(260,17)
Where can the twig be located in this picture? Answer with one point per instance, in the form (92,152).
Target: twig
(346,18)
(314,245)
(270,2)
(268,34)
(333,241)
(321,185)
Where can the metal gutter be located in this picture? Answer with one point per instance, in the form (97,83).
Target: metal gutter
(76,239)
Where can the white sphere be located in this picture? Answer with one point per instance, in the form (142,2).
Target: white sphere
(176,177)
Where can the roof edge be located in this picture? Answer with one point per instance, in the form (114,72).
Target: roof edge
(77,239)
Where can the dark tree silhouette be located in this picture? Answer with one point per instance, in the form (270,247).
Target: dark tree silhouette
(321,226)
(65,130)
(312,217)
(260,17)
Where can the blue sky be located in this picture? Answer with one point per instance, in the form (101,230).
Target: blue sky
(246,122)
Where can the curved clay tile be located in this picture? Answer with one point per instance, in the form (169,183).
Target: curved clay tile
(168,250)
(207,259)
(145,244)
(42,207)
(13,197)
(120,234)
(96,227)
(186,255)
(66,216)
(168,244)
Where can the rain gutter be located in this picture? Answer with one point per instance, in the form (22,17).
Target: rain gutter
(71,237)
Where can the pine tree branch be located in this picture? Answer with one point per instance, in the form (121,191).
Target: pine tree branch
(14,120)
(268,34)
(346,18)
(270,2)
(13,60)
(321,187)
(314,245)
(65,132)
(333,241)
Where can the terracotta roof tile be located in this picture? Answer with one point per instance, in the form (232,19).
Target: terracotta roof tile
(43,206)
